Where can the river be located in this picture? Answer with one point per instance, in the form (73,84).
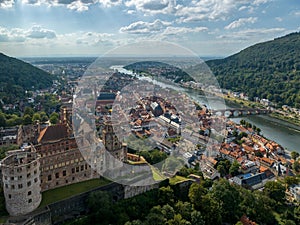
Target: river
(285,134)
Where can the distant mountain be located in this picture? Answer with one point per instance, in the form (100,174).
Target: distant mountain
(17,76)
(266,70)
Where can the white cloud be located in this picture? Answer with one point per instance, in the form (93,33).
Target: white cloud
(6,4)
(152,6)
(78,6)
(213,9)
(254,34)
(240,22)
(110,3)
(141,27)
(296,13)
(182,30)
(39,32)
(279,19)
(22,35)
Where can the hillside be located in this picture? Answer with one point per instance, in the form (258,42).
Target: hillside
(159,69)
(17,76)
(266,70)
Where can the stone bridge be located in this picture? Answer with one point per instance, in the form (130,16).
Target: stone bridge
(239,112)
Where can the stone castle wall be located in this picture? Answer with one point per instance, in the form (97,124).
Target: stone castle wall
(21,182)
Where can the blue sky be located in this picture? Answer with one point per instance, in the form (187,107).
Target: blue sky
(92,27)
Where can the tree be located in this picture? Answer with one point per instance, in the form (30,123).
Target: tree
(28,111)
(54,118)
(36,117)
(165,195)
(196,194)
(290,222)
(296,166)
(100,205)
(211,210)
(234,168)
(184,209)
(134,222)
(196,218)
(155,219)
(178,220)
(230,199)
(44,117)
(27,119)
(290,180)
(294,155)
(2,120)
(275,191)
(168,211)
(221,170)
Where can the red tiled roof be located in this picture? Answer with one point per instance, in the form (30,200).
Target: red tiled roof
(53,133)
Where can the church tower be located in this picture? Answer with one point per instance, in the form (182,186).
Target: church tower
(111,142)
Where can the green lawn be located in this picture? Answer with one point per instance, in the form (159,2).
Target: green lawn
(177,179)
(157,176)
(61,193)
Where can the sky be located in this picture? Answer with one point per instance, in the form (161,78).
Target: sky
(93,27)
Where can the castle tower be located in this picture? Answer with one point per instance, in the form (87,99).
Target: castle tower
(111,142)
(21,181)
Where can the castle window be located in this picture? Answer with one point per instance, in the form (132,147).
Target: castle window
(20,177)
(57,175)
(49,177)
(29,193)
(12,186)
(77,169)
(6,185)
(86,166)
(35,180)
(5,178)
(82,168)
(29,200)
(9,196)
(73,178)
(64,173)
(28,175)
(20,186)
(35,172)
(12,178)
(67,181)
(73,170)
(29,183)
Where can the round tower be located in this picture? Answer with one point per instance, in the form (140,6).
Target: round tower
(21,182)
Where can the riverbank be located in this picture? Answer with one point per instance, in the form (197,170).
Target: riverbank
(249,104)
(291,120)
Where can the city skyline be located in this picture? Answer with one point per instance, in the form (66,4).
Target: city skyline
(93,27)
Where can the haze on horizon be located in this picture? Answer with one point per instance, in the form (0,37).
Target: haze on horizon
(92,27)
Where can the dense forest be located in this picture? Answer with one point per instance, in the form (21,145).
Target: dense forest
(16,77)
(207,202)
(266,70)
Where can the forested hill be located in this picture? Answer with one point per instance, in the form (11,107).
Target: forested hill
(267,70)
(17,76)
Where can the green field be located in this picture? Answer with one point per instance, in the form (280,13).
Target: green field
(61,193)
